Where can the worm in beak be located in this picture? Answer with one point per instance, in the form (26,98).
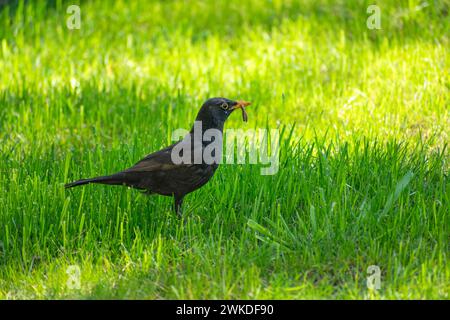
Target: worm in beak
(242,104)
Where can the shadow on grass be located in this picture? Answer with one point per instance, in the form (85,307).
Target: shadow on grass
(227,19)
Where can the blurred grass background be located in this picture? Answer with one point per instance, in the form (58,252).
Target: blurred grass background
(363,177)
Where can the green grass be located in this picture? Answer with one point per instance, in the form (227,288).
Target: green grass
(363,176)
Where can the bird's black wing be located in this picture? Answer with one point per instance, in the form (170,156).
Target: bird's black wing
(158,173)
(160,160)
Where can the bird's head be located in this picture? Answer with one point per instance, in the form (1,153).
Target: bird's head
(215,111)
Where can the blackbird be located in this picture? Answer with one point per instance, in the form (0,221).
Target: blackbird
(158,173)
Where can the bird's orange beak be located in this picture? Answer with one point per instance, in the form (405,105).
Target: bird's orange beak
(242,104)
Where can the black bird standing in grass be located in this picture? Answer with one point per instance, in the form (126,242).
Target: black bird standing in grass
(158,173)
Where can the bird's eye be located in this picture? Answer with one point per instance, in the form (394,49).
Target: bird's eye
(224,106)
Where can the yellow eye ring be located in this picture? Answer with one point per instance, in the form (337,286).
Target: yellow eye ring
(224,106)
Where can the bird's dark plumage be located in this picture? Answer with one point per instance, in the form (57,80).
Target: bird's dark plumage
(158,173)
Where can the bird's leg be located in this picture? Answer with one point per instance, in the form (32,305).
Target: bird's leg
(178,202)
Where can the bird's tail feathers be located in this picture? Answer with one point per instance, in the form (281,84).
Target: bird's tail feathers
(115,179)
